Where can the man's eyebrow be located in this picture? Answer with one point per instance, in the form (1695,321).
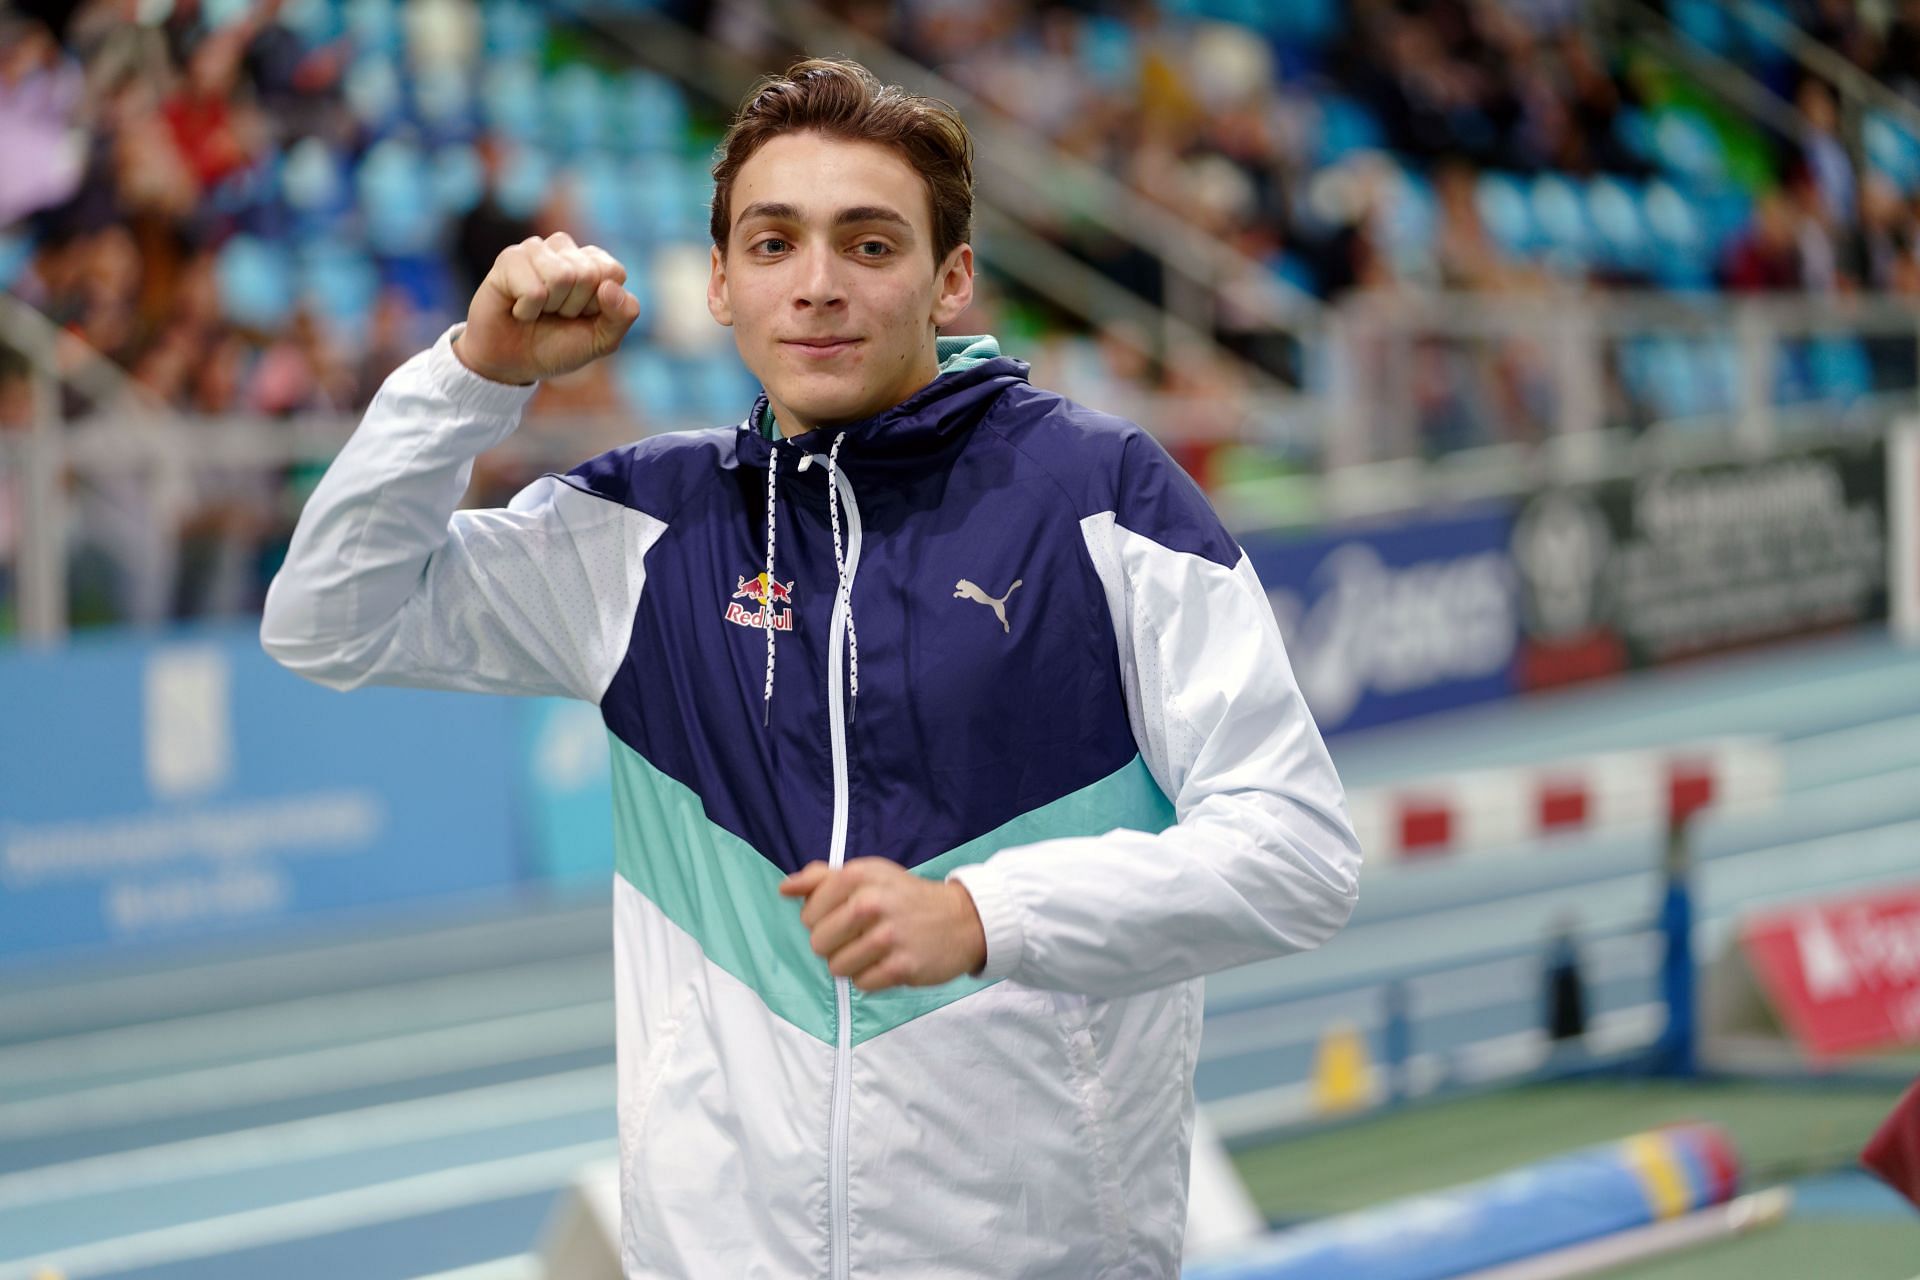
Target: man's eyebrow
(770,209)
(778,211)
(871,213)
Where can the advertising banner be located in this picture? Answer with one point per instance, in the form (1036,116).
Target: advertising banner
(171,788)
(1690,561)
(1395,620)
(1844,974)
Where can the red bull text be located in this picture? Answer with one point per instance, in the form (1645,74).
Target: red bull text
(765,592)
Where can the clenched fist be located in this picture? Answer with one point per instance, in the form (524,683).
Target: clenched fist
(548,307)
(882,926)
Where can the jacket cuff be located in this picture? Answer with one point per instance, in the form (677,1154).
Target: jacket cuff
(478,396)
(999,919)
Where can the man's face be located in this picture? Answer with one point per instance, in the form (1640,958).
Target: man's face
(828,279)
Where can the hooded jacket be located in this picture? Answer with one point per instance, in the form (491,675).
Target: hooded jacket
(989,634)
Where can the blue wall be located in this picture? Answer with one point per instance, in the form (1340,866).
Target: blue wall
(157,789)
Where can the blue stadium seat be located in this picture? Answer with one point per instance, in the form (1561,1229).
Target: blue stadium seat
(1674,384)
(1793,374)
(1619,228)
(601,188)
(255,280)
(721,387)
(651,112)
(659,197)
(338,282)
(396,199)
(1891,149)
(316,22)
(1687,145)
(522,182)
(1681,255)
(1634,128)
(457,179)
(1721,363)
(648,381)
(1727,212)
(312,180)
(443,101)
(1505,212)
(1839,368)
(373,91)
(1303,21)
(513,29)
(1345,127)
(510,98)
(577,109)
(1705,23)
(1561,216)
(1108,52)
(374,26)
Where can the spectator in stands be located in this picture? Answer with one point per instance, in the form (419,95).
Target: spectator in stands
(1823,154)
(1766,257)
(41,88)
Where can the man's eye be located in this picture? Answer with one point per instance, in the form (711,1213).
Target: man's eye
(873,248)
(770,246)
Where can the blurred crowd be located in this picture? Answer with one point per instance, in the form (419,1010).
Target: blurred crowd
(147,145)
(172,194)
(1302,132)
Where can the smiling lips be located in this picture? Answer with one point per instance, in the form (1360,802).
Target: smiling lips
(821,347)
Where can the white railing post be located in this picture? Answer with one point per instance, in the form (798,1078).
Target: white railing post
(1344,430)
(43,531)
(1759,344)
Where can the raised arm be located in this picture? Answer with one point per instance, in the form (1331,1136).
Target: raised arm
(385,583)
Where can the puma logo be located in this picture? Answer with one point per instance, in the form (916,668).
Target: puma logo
(965,590)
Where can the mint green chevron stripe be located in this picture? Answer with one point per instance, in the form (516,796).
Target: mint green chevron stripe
(720,889)
(1127,797)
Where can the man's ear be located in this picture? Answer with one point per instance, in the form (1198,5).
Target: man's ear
(953,291)
(719,305)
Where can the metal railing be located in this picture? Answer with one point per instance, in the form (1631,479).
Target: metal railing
(1412,400)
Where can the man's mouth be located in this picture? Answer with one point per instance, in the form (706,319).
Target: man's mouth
(823,346)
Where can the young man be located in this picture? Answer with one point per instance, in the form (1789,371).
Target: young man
(953,739)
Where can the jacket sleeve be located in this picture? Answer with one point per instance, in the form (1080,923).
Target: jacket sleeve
(385,583)
(1262,859)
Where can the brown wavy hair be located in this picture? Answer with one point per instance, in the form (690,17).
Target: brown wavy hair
(842,99)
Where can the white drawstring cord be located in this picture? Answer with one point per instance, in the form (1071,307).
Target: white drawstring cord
(845,592)
(842,596)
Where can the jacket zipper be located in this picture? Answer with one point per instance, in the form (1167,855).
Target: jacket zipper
(839,1246)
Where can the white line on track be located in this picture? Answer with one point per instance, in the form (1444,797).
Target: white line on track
(336,1017)
(367,1128)
(521,1266)
(109,992)
(393,1058)
(319,1215)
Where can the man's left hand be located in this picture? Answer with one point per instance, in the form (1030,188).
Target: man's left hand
(881,925)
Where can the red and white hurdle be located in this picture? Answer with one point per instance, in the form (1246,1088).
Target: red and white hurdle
(1491,811)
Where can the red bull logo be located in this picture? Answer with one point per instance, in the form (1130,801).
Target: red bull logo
(766,592)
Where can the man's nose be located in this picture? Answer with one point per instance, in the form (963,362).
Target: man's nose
(820,284)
